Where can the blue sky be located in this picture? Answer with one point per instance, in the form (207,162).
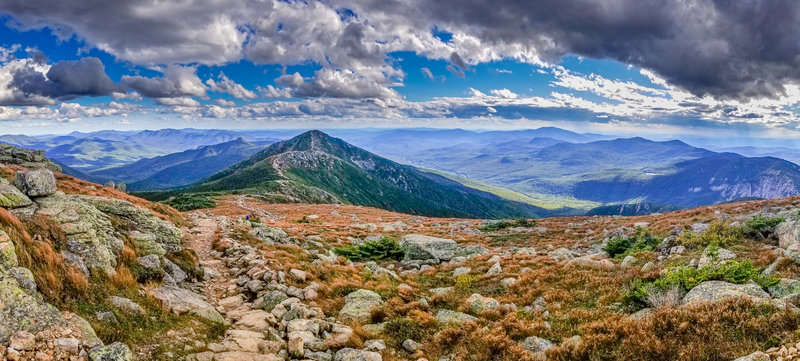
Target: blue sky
(346,64)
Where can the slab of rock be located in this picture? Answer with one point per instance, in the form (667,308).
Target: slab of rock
(461,271)
(183,301)
(126,305)
(11,197)
(359,306)
(36,183)
(755,356)
(496,269)
(448,317)
(719,255)
(714,291)
(18,306)
(417,247)
(245,356)
(8,255)
(268,234)
(785,287)
(788,231)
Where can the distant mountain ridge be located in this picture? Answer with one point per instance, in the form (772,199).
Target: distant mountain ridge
(315,167)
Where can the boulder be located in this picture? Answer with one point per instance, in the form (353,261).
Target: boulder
(715,291)
(359,306)
(417,247)
(268,234)
(561,254)
(536,344)
(8,255)
(785,287)
(496,269)
(587,262)
(478,303)
(449,317)
(36,183)
(461,271)
(116,351)
(125,305)
(628,261)
(351,354)
(715,256)
(181,301)
(11,197)
(788,231)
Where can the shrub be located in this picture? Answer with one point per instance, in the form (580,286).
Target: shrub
(466,282)
(384,249)
(760,225)
(718,233)
(500,225)
(641,240)
(191,201)
(683,279)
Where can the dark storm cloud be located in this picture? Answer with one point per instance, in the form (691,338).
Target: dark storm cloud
(723,48)
(66,80)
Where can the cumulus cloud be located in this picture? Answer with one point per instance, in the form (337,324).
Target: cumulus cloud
(177,81)
(368,83)
(223,84)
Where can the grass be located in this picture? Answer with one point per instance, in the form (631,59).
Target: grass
(719,234)
(384,249)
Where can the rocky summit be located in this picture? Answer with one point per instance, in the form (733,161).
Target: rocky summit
(88,272)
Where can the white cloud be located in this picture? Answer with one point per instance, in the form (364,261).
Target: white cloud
(223,84)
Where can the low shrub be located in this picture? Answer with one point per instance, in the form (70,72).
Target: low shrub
(191,201)
(760,225)
(685,278)
(720,234)
(384,249)
(641,240)
(500,225)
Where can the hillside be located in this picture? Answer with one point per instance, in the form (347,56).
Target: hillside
(316,167)
(179,169)
(94,153)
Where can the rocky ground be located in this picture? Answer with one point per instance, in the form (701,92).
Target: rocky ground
(90,273)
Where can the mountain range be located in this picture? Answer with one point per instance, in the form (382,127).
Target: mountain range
(545,171)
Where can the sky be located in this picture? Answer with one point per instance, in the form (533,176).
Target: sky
(644,67)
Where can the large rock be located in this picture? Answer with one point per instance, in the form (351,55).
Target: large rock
(359,306)
(11,197)
(449,317)
(788,231)
(26,158)
(478,303)
(269,234)
(785,287)
(181,301)
(351,354)
(36,183)
(8,255)
(24,310)
(715,291)
(536,344)
(116,351)
(417,247)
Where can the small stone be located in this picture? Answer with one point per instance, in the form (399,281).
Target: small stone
(22,341)
(461,271)
(298,274)
(495,269)
(410,345)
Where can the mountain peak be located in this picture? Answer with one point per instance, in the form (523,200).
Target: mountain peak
(312,140)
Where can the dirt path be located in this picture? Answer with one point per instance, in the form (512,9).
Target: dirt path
(206,230)
(241,201)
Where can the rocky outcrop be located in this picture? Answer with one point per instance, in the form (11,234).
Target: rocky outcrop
(267,234)
(26,158)
(89,223)
(114,352)
(449,317)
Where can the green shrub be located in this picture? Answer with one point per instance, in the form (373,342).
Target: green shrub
(500,225)
(641,240)
(384,249)
(761,225)
(191,201)
(686,278)
(718,233)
